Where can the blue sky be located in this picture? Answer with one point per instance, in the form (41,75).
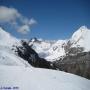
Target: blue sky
(56,19)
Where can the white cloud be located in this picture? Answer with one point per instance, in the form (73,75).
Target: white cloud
(32,21)
(8,14)
(23,29)
(13,17)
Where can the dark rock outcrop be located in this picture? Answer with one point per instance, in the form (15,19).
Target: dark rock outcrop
(27,53)
(77,64)
(75,61)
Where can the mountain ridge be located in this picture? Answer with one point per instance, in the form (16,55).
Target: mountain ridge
(66,55)
(80,38)
(54,49)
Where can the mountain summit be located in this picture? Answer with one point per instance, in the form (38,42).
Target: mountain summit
(51,50)
(6,39)
(7,55)
(71,55)
(55,49)
(82,38)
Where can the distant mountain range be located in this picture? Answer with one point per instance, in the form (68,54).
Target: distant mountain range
(70,55)
(53,50)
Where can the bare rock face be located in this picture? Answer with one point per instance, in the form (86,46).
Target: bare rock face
(27,53)
(77,64)
(76,61)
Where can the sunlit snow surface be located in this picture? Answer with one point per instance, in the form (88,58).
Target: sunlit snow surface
(82,38)
(17,74)
(40,79)
(7,56)
(53,51)
(6,39)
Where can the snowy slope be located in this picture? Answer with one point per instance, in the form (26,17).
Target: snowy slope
(41,47)
(49,50)
(53,51)
(6,39)
(40,79)
(7,56)
(17,73)
(56,51)
(81,38)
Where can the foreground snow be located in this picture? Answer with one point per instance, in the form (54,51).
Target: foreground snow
(40,79)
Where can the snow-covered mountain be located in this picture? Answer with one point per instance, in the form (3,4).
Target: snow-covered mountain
(56,49)
(81,38)
(7,56)
(15,52)
(49,50)
(6,39)
(17,73)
